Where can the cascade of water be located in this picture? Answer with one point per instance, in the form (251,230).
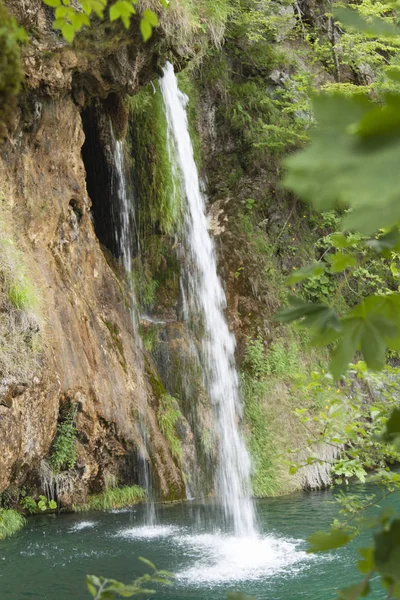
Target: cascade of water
(206,300)
(124,234)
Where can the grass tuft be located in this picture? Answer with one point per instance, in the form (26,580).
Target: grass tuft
(113,498)
(11,522)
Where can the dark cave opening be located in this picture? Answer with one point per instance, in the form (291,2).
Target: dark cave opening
(99,121)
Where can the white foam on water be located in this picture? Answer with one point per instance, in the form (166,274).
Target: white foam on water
(83,525)
(148,532)
(226,559)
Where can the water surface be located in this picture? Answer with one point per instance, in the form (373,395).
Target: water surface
(49,559)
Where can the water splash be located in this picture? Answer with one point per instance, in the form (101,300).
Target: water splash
(205,299)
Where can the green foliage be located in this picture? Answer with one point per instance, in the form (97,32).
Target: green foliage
(158,185)
(261,439)
(10,522)
(33,507)
(279,359)
(101,588)
(266,408)
(356,138)
(117,497)
(348,418)
(11,74)
(63,451)
(168,416)
(28,503)
(69,19)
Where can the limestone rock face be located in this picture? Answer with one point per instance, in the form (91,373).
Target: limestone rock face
(90,355)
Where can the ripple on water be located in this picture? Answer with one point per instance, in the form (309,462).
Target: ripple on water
(148,532)
(225,559)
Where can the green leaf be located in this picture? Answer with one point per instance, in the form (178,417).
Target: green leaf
(341,261)
(305,272)
(78,20)
(322,541)
(392,427)
(146,29)
(152,18)
(298,310)
(115,12)
(91,589)
(387,551)
(61,12)
(147,562)
(366,564)
(52,3)
(388,241)
(373,26)
(68,32)
(342,168)
(339,240)
(344,352)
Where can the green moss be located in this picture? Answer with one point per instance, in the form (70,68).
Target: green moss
(116,338)
(158,188)
(10,523)
(114,498)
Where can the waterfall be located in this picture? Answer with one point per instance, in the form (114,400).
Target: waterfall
(206,301)
(124,235)
(125,218)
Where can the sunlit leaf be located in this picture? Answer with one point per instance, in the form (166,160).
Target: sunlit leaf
(341,261)
(151,17)
(145,29)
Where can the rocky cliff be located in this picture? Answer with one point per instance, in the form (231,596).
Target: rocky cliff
(70,344)
(77,345)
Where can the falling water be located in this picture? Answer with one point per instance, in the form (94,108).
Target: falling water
(124,234)
(125,218)
(206,299)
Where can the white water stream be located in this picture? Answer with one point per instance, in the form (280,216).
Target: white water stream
(205,298)
(124,234)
